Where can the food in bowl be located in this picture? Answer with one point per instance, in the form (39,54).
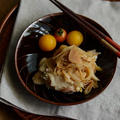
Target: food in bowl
(69,70)
(48,42)
(28,56)
(60,35)
(75,38)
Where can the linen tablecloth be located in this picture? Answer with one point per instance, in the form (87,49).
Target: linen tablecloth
(104,107)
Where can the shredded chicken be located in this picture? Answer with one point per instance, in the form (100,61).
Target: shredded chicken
(71,69)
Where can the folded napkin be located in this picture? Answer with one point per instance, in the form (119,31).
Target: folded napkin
(104,107)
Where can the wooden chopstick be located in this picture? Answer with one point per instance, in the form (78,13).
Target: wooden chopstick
(90,28)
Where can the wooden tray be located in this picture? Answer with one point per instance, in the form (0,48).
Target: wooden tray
(8,12)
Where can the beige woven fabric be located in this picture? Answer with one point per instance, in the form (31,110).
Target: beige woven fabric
(104,107)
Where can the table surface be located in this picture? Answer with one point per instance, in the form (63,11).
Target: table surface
(6,113)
